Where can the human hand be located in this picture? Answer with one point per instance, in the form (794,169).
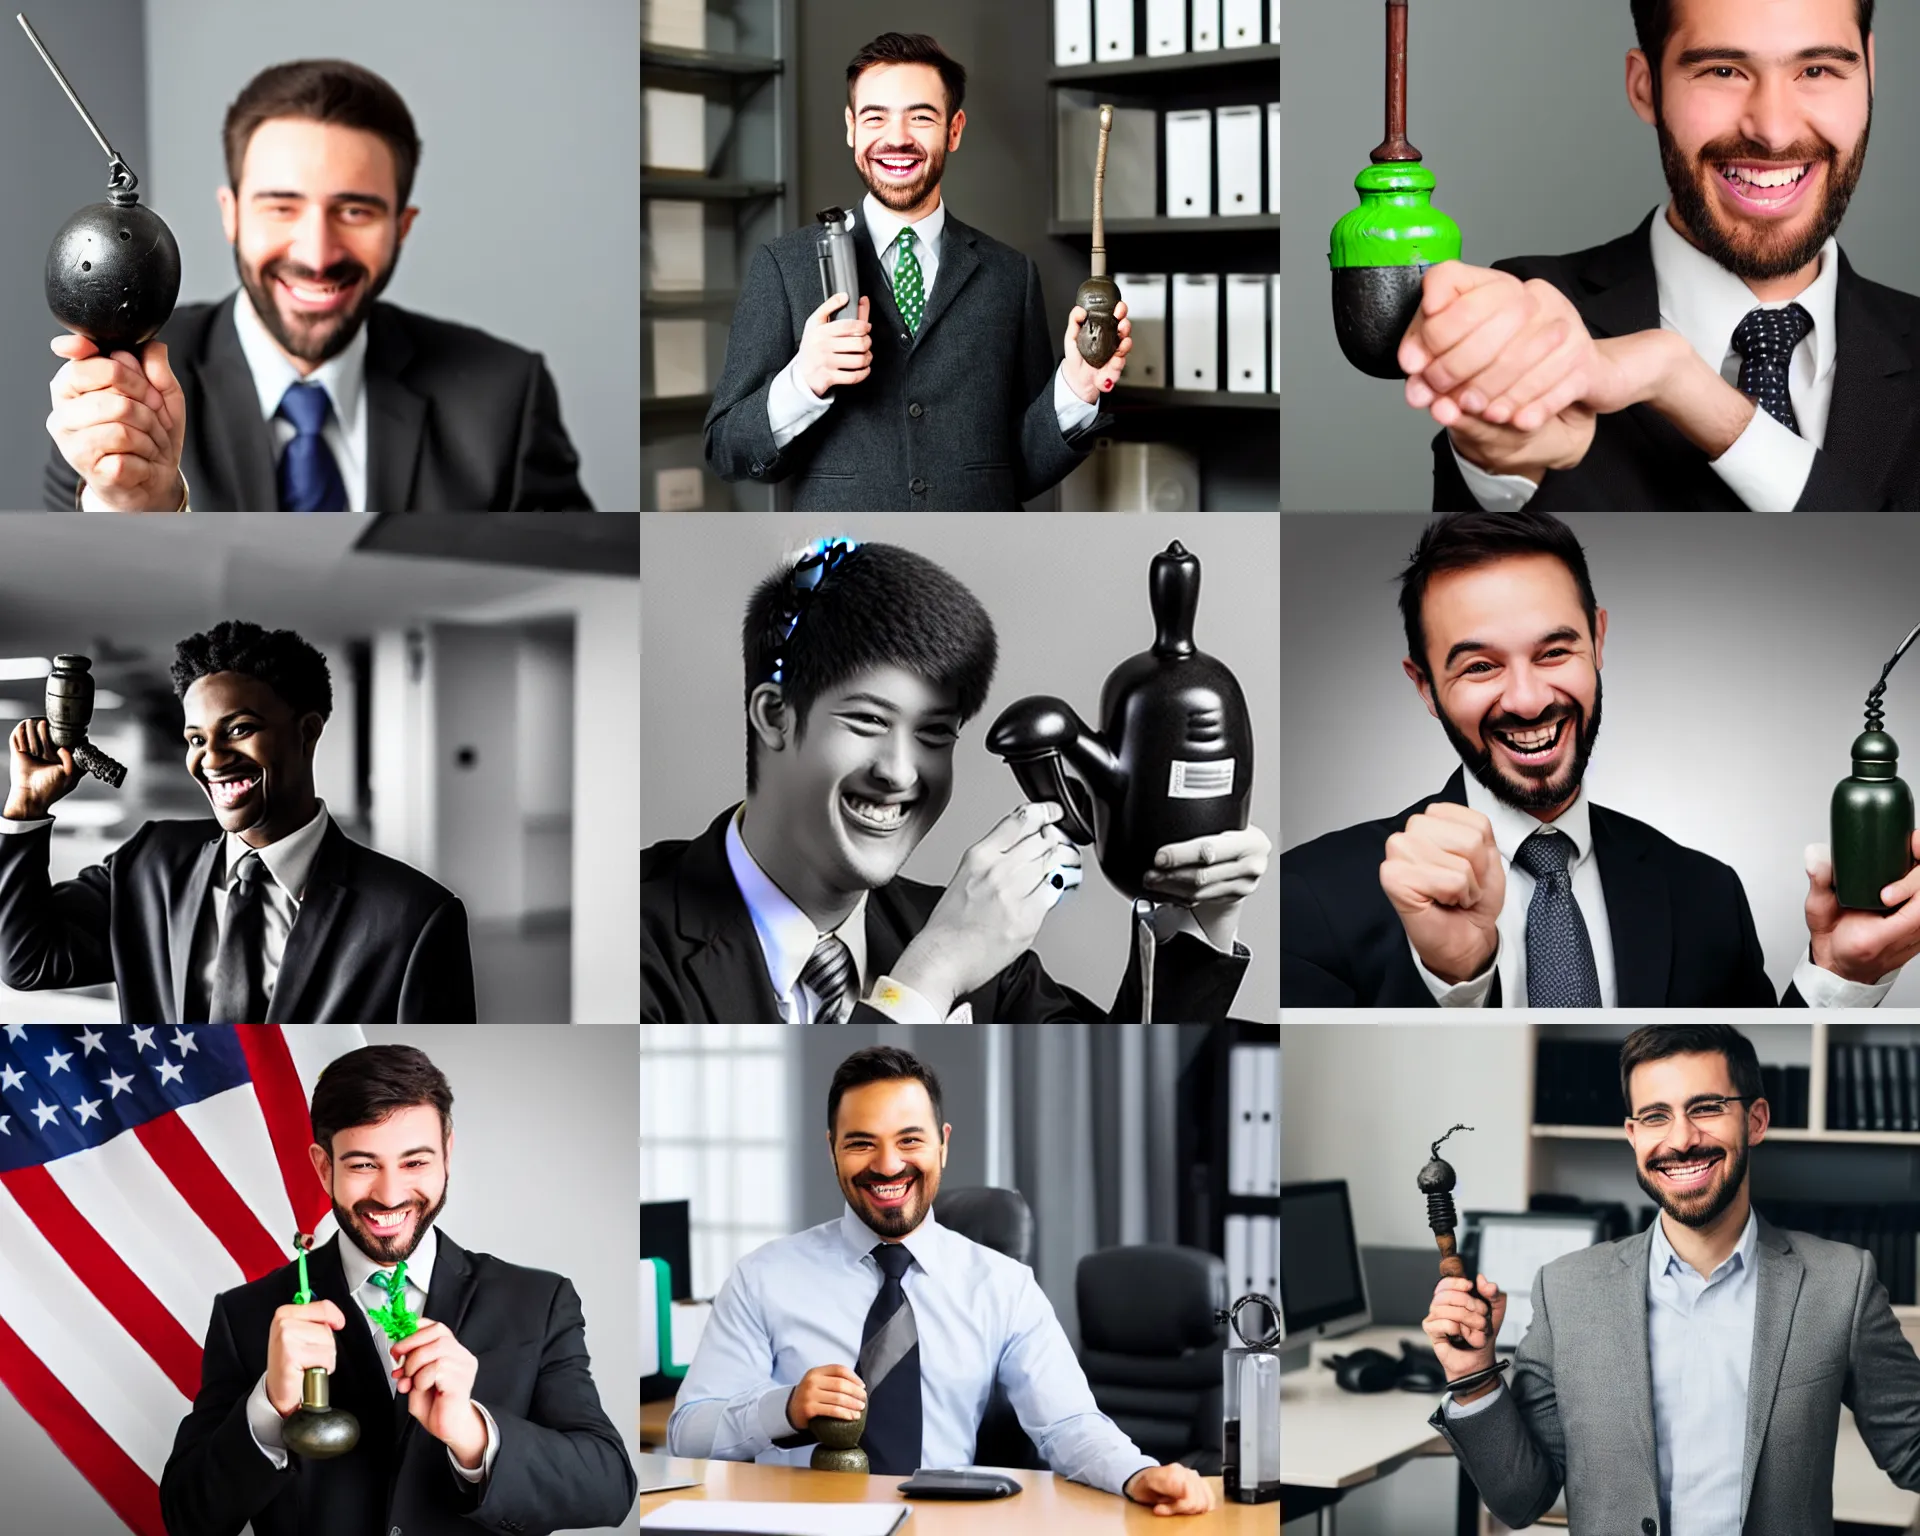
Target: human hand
(826,1392)
(1461,1310)
(1086,381)
(835,352)
(1861,946)
(1212,876)
(40,772)
(1442,873)
(299,1338)
(120,422)
(437,1371)
(1170,1490)
(1562,443)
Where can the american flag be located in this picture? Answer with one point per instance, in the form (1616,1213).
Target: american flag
(143,1172)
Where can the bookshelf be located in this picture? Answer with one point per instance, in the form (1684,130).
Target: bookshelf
(1202,1132)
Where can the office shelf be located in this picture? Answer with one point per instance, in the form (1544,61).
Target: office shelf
(695,61)
(676,405)
(1218,224)
(1174,69)
(665,184)
(1169,399)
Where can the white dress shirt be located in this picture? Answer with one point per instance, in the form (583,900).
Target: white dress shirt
(1767,467)
(802,1301)
(787,935)
(792,407)
(264,1420)
(343,377)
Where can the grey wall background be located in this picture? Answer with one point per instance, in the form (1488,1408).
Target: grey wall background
(1738,658)
(1067,592)
(1520,110)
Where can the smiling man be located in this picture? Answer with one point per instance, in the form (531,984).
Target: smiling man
(863,662)
(304,392)
(1723,356)
(1689,1379)
(271,914)
(887,1315)
(1511,888)
(484,1416)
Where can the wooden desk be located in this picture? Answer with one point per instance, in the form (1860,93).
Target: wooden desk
(653,1424)
(1048,1504)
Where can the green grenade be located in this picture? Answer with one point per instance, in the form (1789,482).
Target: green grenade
(839,1444)
(1873,811)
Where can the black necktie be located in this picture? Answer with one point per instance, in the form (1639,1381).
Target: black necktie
(890,1369)
(829,972)
(1765,342)
(1560,968)
(239,969)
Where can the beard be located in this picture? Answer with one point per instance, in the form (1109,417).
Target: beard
(312,341)
(901,195)
(388,1250)
(1704,1206)
(1531,795)
(903,1218)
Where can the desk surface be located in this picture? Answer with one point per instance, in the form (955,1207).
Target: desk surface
(1045,1504)
(653,1423)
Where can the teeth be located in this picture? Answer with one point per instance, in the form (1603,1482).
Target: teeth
(1784,177)
(1532,741)
(871,812)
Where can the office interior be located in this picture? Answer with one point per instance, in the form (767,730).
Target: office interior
(485,673)
(1545,1170)
(1095,1154)
(743,139)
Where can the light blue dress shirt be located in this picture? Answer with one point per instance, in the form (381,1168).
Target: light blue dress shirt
(801,1301)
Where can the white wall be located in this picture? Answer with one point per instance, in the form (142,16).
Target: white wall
(477,813)
(543,679)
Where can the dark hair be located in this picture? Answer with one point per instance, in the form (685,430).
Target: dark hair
(881,1064)
(324,91)
(910,48)
(1653,25)
(1656,1042)
(374,1083)
(279,658)
(880,605)
(1462,540)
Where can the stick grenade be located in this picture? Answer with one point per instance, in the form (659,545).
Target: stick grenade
(1436,1183)
(70,712)
(317,1430)
(1099,295)
(1395,146)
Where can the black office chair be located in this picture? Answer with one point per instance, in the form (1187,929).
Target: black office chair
(998,1219)
(1151,1349)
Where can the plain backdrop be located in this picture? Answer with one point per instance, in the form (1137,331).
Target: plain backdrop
(1067,593)
(1519,108)
(1738,657)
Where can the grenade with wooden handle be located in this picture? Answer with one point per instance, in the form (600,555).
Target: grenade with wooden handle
(1099,295)
(1436,1183)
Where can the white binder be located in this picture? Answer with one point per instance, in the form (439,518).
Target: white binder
(676,130)
(1242,1106)
(1237,134)
(1273,21)
(1196,330)
(676,245)
(651,1277)
(1190,164)
(1264,1255)
(1273,157)
(1247,332)
(1273,312)
(1206,25)
(1113,29)
(1073,31)
(1240,24)
(1266,1123)
(1239,1256)
(679,357)
(1166,27)
(1145,294)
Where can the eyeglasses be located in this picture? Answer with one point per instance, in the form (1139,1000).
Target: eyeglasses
(820,558)
(1705,1113)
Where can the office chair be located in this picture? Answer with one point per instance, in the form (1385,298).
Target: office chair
(1151,1349)
(998,1219)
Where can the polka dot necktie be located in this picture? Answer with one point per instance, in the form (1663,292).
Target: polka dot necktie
(1765,342)
(829,974)
(909,293)
(1560,968)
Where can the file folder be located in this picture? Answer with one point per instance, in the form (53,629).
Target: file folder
(1112,29)
(1247,333)
(1190,164)
(676,245)
(1166,27)
(1196,330)
(1239,1257)
(1266,1124)
(1145,294)
(676,130)
(1273,313)
(1242,1108)
(1073,31)
(1273,157)
(1206,25)
(1273,21)
(1240,24)
(1237,132)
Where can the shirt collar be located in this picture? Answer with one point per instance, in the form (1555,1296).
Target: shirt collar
(343,377)
(289,860)
(884,225)
(787,935)
(1663,1258)
(360,1268)
(1511,828)
(861,1238)
(1705,302)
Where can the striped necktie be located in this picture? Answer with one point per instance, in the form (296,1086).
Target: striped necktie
(889,1367)
(909,292)
(828,974)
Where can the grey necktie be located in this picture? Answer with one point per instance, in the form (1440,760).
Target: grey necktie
(1560,968)
(889,1365)
(829,973)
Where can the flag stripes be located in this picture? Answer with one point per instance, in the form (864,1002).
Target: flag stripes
(201,1184)
(284,1103)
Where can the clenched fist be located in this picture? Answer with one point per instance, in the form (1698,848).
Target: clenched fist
(1471,1314)
(298,1338)
(826,1391)
(120,422)
(1444,877)
(836,352)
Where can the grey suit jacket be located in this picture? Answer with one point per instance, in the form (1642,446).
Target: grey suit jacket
(957,416)
(1580,1407)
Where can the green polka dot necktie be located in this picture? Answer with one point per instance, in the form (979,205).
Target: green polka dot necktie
(909,293)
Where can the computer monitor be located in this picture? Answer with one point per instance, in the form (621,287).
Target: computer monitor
(1511,1247)
(1323,1292)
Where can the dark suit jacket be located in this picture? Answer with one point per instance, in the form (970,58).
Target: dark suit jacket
(560,1463)
(1640,462)
(957,416)
(1683,936)
(700,960)
(457,421)
(375,942)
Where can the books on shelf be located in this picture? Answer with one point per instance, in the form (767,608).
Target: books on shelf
(1873,1086)
(1889,1230)
(1577,1082)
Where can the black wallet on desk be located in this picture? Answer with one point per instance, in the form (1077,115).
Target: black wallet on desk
(927,1484)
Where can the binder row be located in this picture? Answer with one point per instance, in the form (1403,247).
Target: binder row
(1253,1256)
(1253,1120)
(1089,31)
(1577,1082)
(1889,1231)
(1179,341)
(1873,1087)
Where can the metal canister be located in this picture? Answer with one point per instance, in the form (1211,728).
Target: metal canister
(839,270)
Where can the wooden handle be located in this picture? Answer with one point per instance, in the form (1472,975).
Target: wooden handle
(1395,146)
(1100,193)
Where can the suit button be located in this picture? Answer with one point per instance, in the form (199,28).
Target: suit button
(905,339)
(917,486)
(1649,1526)
(754,469)
(916,409)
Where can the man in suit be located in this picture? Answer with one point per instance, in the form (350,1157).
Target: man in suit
(947,389)
(829,1323)
(485,1415)
(1510,888)
(269,914)
(862,664)
(1690,1378)
(301,392)
(1723,356)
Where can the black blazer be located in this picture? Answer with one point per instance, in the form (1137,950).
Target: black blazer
(957,416)
(457,421)
(560,1462)
(375,942)
(1640,462)
(701,962)
(1683,936)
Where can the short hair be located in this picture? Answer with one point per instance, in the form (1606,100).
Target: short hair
(882,1064)
(1653,25)
(324,91)
(279,658)
(373,1084)
(1463,540)
(910,48)
(1656,1042)
(880,605)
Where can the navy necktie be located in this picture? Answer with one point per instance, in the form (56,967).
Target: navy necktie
(1560,968)
(309,477)
(889,1368)
(1765,341)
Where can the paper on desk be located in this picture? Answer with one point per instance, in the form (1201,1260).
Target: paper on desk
(1513,1252)
(737,1518)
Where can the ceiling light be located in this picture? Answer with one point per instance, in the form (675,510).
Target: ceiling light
(13,668)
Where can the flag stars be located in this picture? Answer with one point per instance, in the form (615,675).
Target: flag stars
(45,1113)
(90,1042)
(116,1084)
(184,1042)
(11,1078)
(143,1038)
(16,1032)
(170,1072)
(88,1109)
(57,1061)
(5,1121)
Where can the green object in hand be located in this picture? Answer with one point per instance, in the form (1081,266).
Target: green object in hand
(394,1318)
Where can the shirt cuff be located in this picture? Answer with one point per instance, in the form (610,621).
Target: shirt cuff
(1471,993)
(1768,466)
(791,406)
(1170,921)
(1820,988)
(901,1004)
(7,826)
(264,1420)
(1495,493)
(1069,409)
(1455,1410)
(1130,1474)
(772,1416)
(485,1470)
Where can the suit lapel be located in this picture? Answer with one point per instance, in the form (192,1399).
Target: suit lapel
(1622,294)
(1867,419)
(243,447)
(1778,1289)
(327,897)
(1639,915)
(958,263)
(395,416)
(184,906)
(724,957)
(1628,1286)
